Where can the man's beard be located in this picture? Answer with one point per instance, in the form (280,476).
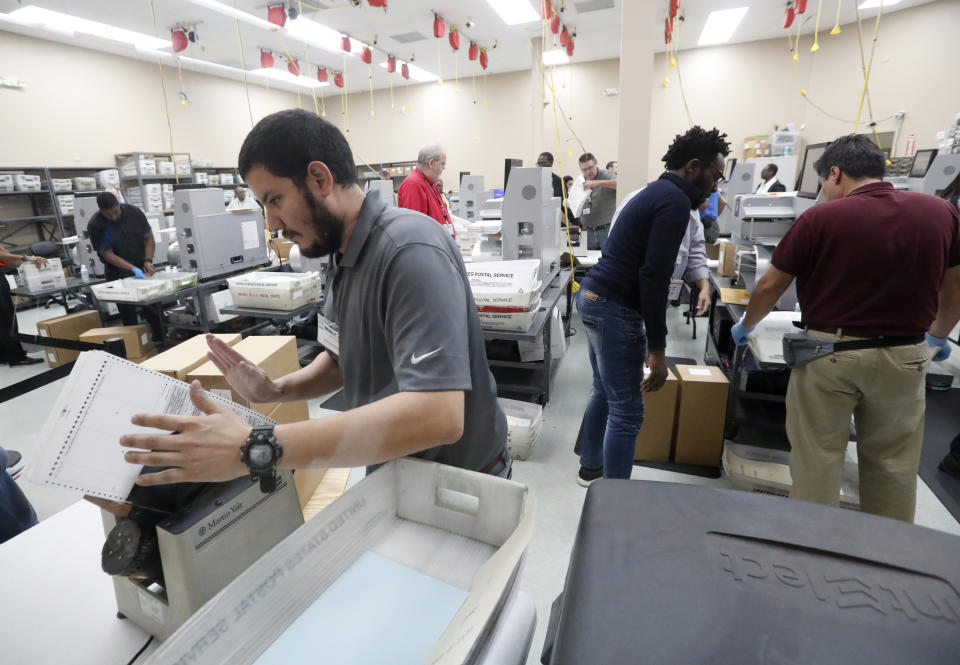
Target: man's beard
(327,227)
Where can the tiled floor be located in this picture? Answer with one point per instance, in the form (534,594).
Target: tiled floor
(549,473)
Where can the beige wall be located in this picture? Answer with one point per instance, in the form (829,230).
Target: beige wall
(81,107)
(745,89)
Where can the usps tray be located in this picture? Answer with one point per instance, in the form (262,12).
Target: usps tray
(464,528)
(509,321)
(524,421)
(131,289)
(275,290)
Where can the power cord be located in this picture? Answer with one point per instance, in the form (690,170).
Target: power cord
(140,653)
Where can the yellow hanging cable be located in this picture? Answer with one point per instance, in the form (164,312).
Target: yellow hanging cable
(485,87)
(370,81)
(574,286)
(666,67)
(816,29)
(473,83)
(166,105)
(364,162)
(346,98)
(796,51)
(867,68)
(406,94)
(243,63)
(456,71)
(836,26)
(306,53)
(391,92)
(439,65)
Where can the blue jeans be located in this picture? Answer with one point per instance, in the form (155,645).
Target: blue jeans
(16,513)
(618,348)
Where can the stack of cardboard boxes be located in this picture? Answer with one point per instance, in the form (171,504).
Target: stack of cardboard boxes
(68,327)
(684,420)
(276,355)
(136,340)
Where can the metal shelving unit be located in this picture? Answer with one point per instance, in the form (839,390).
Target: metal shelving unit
(142,179)
(41,206)
(70,172)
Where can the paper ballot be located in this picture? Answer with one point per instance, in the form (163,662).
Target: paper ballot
(79,446)
(577,196)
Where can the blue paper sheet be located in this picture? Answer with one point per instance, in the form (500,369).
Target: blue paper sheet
(377,612)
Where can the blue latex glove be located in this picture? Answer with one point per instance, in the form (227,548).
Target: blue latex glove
(940,343)
(138,273)
(739,333)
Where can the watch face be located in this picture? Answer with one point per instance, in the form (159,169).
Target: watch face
(260,455)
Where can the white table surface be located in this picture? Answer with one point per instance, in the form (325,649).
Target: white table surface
(58,606)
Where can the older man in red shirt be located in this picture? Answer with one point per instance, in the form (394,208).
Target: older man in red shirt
(419,189)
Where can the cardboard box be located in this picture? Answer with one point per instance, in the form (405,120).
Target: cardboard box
(281,247)
(151,353)
(467,529)
(67,327)
(713,251)
(306,480)
(660,410)
(727,258)
(178,361)
(735,296)
(701,415)
(136,339)
(276,355)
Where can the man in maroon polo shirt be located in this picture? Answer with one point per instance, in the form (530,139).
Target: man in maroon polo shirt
(870,263)
(419,190)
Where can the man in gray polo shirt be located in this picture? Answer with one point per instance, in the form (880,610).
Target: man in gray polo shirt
(598,211)
(411,358)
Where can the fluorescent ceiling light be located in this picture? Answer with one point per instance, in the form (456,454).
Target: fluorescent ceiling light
(514,12)
(873,4)
(720,26)
(315,34)
(71,25)
(557,56)
(227,10)
(416,73)
(287,77)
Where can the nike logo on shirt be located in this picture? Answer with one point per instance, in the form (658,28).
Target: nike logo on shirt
(415,359)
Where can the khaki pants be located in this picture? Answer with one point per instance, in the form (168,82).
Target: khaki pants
(884,391)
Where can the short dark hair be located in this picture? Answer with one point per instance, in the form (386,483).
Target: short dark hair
(609,164)
(587,157)
(855,155)
(286,141)
(696,143)
(567,178)
(772,168)
(107,201)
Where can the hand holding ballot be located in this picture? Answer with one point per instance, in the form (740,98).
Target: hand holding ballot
(203,447)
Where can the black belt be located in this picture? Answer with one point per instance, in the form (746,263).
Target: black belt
(496,460)
(872,341)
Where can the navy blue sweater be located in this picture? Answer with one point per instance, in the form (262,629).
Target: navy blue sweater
(641,252)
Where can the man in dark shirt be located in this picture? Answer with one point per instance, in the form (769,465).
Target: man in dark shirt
(123,239)
(545,160)
(870,263)
(623,301)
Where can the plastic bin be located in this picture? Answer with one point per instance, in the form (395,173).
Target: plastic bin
(42,279)
(131,289)
(524,421)
(275,290)
(509,321)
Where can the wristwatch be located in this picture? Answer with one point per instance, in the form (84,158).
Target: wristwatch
(261,453)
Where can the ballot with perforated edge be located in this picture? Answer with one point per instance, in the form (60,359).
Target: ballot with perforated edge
(79,446)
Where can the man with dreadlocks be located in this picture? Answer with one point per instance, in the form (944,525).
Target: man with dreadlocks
(623,300)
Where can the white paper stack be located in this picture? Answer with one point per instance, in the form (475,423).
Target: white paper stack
(6,182)
(201,178)
(524,422)
(175,280)
(275,290)
(507,293)
(165,168)
(26,183)
(228,196)
(107,178)
(84,184)
(61,184)
(226,178)
(213,179)
(65,201)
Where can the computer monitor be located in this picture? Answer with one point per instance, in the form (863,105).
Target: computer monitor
(507,165)
(809,185)
(922,162)
(728,170)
